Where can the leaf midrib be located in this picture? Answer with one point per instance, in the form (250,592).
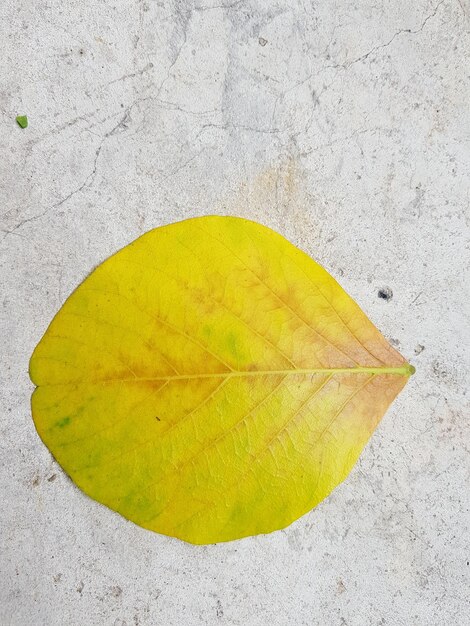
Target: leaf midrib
(404,370)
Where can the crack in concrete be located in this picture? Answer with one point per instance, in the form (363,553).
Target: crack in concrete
(140,72)
(345,66)
(121,125)
(173,63)
(402,31)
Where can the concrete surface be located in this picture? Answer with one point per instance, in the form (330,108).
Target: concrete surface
(345,126)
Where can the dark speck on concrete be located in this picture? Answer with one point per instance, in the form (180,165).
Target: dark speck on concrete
(52,478)
(385,293)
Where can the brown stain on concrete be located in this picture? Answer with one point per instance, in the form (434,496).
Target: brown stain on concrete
(280,189)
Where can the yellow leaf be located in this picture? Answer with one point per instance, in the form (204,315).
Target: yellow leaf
(210,381)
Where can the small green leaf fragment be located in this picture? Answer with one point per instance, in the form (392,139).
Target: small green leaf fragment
(22,120)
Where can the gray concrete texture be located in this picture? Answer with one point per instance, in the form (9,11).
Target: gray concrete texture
(346,127)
